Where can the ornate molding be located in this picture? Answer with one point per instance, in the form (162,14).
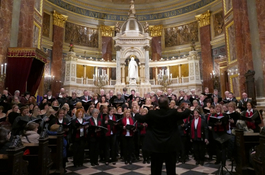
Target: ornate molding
(117,48)
(204,18)
(175,11)
(59,19)
(27,52)
(106,31)
(156,30)
(71,56)
(146,47)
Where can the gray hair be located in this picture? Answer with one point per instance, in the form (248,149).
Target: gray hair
(94,110)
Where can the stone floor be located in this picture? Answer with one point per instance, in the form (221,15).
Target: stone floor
(138,168)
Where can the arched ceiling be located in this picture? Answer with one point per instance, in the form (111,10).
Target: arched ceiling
(142,6)
(108,12)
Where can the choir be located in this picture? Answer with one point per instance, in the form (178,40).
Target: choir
(106,123)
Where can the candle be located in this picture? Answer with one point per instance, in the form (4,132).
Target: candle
(5,68)
(2,69)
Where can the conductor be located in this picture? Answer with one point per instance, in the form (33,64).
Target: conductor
(162,136)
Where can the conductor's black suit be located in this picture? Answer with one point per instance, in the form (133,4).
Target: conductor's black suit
(162,138)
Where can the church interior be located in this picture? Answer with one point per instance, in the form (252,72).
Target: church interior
(66,48)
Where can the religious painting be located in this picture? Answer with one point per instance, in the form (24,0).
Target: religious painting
(36,35)
(46,25)
(218,23)
(38,6)
(228,5)
(81,35)
(234,85)
(180,35)
(231,42)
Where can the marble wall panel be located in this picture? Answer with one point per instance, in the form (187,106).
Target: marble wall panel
(46,25)
(57,57)
(25,34)
(243,42)
(206,55)
(228,5)
(6,7)
(218,23)
(260,5)
(106,48)
(219,51)
(231,42)
(156,48)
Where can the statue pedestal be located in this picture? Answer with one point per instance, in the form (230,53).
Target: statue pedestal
(133,87)
(132,81)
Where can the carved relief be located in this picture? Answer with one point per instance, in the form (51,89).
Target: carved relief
(81,35)
(218,23)
(36,35)
(68,70)
(180,35)
(46,25)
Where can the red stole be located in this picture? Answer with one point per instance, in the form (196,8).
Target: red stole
(198,129)
(124,123)
(250,125)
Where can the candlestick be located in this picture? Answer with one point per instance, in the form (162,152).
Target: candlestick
(5,68)
(2,69)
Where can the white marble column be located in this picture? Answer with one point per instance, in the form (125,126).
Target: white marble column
(96,71)
(156,75)
(123,73)
(84,75)
(84,71)
(118,67)
(142,71)
(108,75)
(147,69)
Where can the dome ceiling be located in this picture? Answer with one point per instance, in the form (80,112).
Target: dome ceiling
(136,2)
(117,10)
(142,6)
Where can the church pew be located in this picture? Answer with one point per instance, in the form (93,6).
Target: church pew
(12,163)
(244,142)
(56,146)
(259,156)
(39,158)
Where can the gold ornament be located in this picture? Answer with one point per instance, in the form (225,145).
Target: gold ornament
(156,30)
(204,18)
(59,19)
(106,31)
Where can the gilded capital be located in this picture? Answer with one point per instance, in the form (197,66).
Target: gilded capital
(59,19)
(204,18)
(156,30)
(106,30)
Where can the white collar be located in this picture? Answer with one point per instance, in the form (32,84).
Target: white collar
(251,110)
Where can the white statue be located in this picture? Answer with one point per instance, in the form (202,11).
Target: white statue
(132,9)
(133,69)
(117,27)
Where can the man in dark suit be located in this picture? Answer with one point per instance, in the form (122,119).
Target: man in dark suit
(86,96)
(242,105)
(162,137)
